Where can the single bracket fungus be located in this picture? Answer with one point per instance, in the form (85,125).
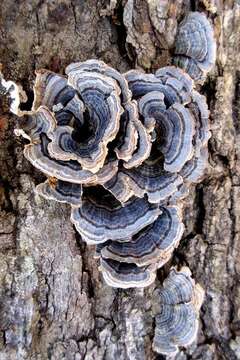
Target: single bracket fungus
(122,150)
(177,306)
(195,48)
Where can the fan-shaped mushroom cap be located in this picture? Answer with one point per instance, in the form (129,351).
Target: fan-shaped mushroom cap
(60,191)
(102,217)
(195,46)
(101,96)
(127,137)
(140,83)
(194,169)
(177,84)
(178,127)
(199,109)
(162,98)
(149,178)
(100,67)
(51,90)
(172,82)
(33,124)
(177,306)
(144,145)
(181,115)
(123,275)
(69,171)
(154,244)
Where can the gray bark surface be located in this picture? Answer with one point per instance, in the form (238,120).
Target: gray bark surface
(53,301)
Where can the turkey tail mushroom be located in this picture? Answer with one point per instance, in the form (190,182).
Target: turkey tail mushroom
(195,46)
(177,304)
(122,150)
(60,191)
(152,245)
(125,275)
(101,217)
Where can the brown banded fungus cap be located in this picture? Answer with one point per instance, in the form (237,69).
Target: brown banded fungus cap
(122,150)
(177,304)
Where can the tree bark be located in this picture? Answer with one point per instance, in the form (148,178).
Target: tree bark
(53,301)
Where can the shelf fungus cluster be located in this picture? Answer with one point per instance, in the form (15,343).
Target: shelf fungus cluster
(176,307)
(122,150)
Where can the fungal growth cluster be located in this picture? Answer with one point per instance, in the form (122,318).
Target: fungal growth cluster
(123,150)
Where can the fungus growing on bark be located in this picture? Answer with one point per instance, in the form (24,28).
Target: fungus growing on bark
(152,245)
(122,150)
(195,48)
(177,304)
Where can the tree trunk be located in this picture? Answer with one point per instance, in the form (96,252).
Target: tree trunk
(53,301)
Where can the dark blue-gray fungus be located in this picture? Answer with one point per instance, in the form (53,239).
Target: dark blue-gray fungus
(176,308)
(195,47)
(122,150)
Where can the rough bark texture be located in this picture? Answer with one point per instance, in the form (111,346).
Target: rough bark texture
(53,302)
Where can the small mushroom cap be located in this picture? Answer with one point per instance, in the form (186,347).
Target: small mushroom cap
(154,244)
(178,126)
(123,275)
(51,90)
(127,138)
(101,96)
(134,139)
(60,191)
(100,67)
(34,123)
(172,82)
(193,170)
(195,46)
(177,306)
(102,217)
(177,82)
(69,171)
(149,178)
(199,110)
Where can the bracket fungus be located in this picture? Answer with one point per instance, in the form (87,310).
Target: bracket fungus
(195,47)
(177,304)
(122,150)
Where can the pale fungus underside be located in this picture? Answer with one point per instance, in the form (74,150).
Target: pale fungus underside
(122,150)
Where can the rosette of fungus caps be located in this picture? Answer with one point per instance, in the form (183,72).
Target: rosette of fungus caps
(121,149)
